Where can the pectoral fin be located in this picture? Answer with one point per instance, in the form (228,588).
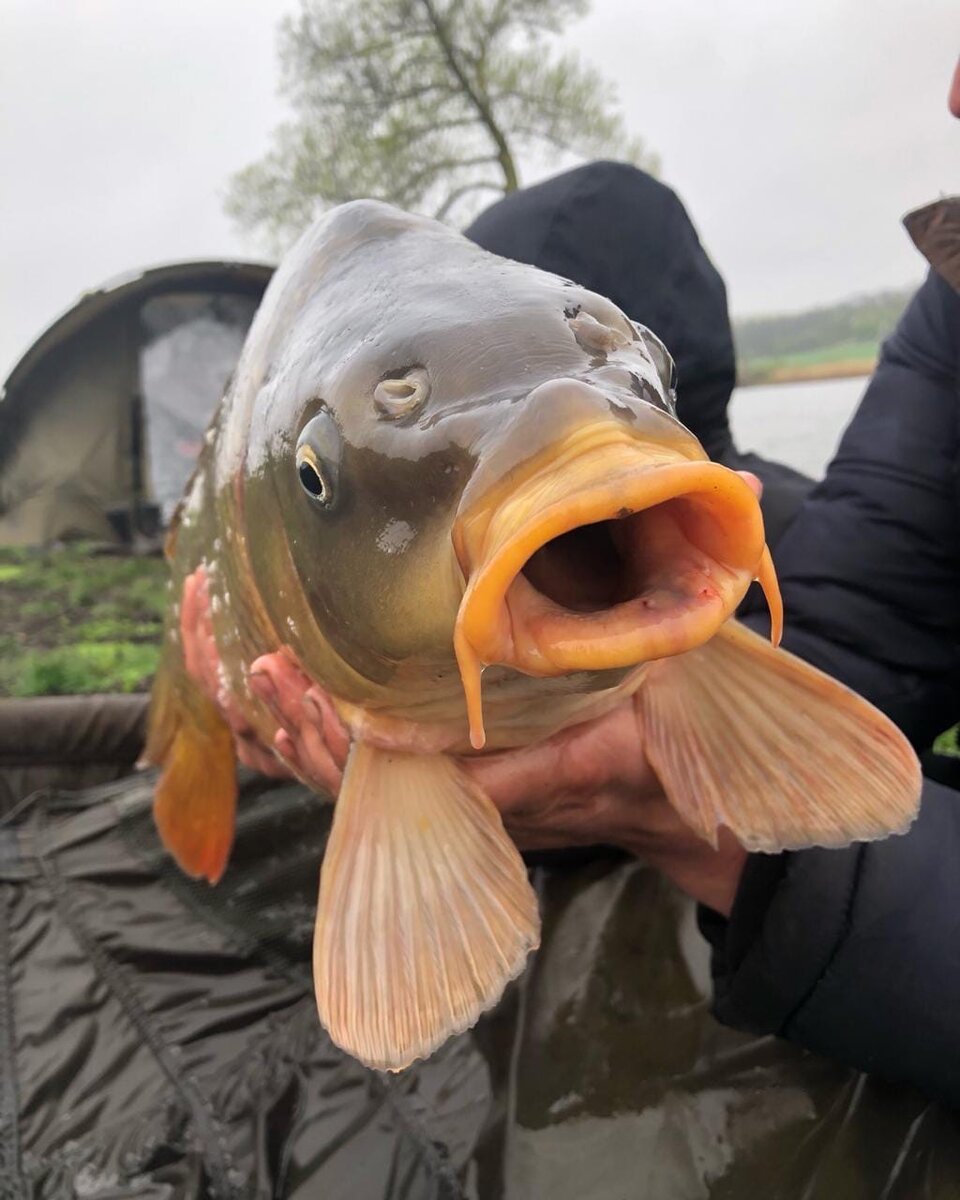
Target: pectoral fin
(194,803)
(750,737)
(425,909)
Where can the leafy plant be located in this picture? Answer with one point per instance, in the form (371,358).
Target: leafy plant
(426,104)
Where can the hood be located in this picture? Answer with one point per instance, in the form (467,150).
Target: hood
(617,231)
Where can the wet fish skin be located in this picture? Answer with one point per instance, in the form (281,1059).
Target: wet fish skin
(409,416)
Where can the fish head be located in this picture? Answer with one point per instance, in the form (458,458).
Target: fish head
(454,461)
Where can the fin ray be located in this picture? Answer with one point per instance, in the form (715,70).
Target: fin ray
(194,804)
(750,737)
(425,909)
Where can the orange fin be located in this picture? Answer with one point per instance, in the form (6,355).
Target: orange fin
(425,909)
(195,800)
(750,737)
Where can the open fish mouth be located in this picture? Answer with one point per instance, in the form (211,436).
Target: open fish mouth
(618,556)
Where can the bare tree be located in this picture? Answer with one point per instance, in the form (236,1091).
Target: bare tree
(424,103)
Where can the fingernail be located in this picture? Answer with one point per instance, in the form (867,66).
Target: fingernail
(283,745)
(262,685)
(313,707)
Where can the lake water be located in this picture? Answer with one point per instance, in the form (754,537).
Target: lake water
(798,424)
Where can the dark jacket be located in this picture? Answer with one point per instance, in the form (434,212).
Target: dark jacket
(856,953)
(619,232)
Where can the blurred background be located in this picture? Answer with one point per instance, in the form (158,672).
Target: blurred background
(159,157)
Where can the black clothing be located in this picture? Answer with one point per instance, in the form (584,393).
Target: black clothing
(159,1039)
(856,953)
(615,230)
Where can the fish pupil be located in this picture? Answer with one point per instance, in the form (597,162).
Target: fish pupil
(311,480)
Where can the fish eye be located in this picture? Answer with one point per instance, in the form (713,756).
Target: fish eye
(318,458)
(402,395)
(311,476)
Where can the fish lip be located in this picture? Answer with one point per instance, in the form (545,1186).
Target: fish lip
(503,619)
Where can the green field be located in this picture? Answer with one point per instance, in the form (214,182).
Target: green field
(76,621)
(827,342)
(842,358)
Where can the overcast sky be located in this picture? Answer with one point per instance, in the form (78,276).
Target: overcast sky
(797,135)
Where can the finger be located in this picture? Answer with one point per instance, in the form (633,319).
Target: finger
(335,733)
(286,747)
(201,657)
(317,761)
(258,758)
(753,482)
(281,686)
(189,625)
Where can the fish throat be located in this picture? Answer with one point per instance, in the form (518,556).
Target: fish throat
(641,556)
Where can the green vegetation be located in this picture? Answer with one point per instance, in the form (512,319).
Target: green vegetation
(76,621)
(822,343)
(426,104)
(949,743)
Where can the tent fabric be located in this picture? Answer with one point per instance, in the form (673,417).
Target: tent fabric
(67,741)
(65,446)
(73,445)
(158,1038)
(191,343)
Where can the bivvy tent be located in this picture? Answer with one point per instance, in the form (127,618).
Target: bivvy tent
(101,419)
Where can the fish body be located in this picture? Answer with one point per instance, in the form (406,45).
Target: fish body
(454,490)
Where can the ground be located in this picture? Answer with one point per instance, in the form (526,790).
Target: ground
(74,621)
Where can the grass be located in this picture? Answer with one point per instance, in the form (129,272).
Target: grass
(949,743)
(826,362)
(76,622)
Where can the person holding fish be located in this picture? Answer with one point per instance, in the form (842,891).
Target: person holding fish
(591,566)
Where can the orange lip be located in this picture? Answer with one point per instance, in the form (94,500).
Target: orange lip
(619,558)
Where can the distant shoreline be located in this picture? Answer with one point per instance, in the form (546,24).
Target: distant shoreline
(803,373)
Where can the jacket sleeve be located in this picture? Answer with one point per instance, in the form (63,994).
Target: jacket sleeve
(855,953)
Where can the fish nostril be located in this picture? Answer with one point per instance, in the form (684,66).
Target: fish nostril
(402,395)
(595,337)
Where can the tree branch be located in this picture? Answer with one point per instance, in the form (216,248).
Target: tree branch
(450,164)
(504,157)
(483,185)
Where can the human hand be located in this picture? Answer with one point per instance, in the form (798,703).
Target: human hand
(301,747)
(587,785)
(592,784)
(202,663)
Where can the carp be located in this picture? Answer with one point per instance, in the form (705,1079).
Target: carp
(454,490)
